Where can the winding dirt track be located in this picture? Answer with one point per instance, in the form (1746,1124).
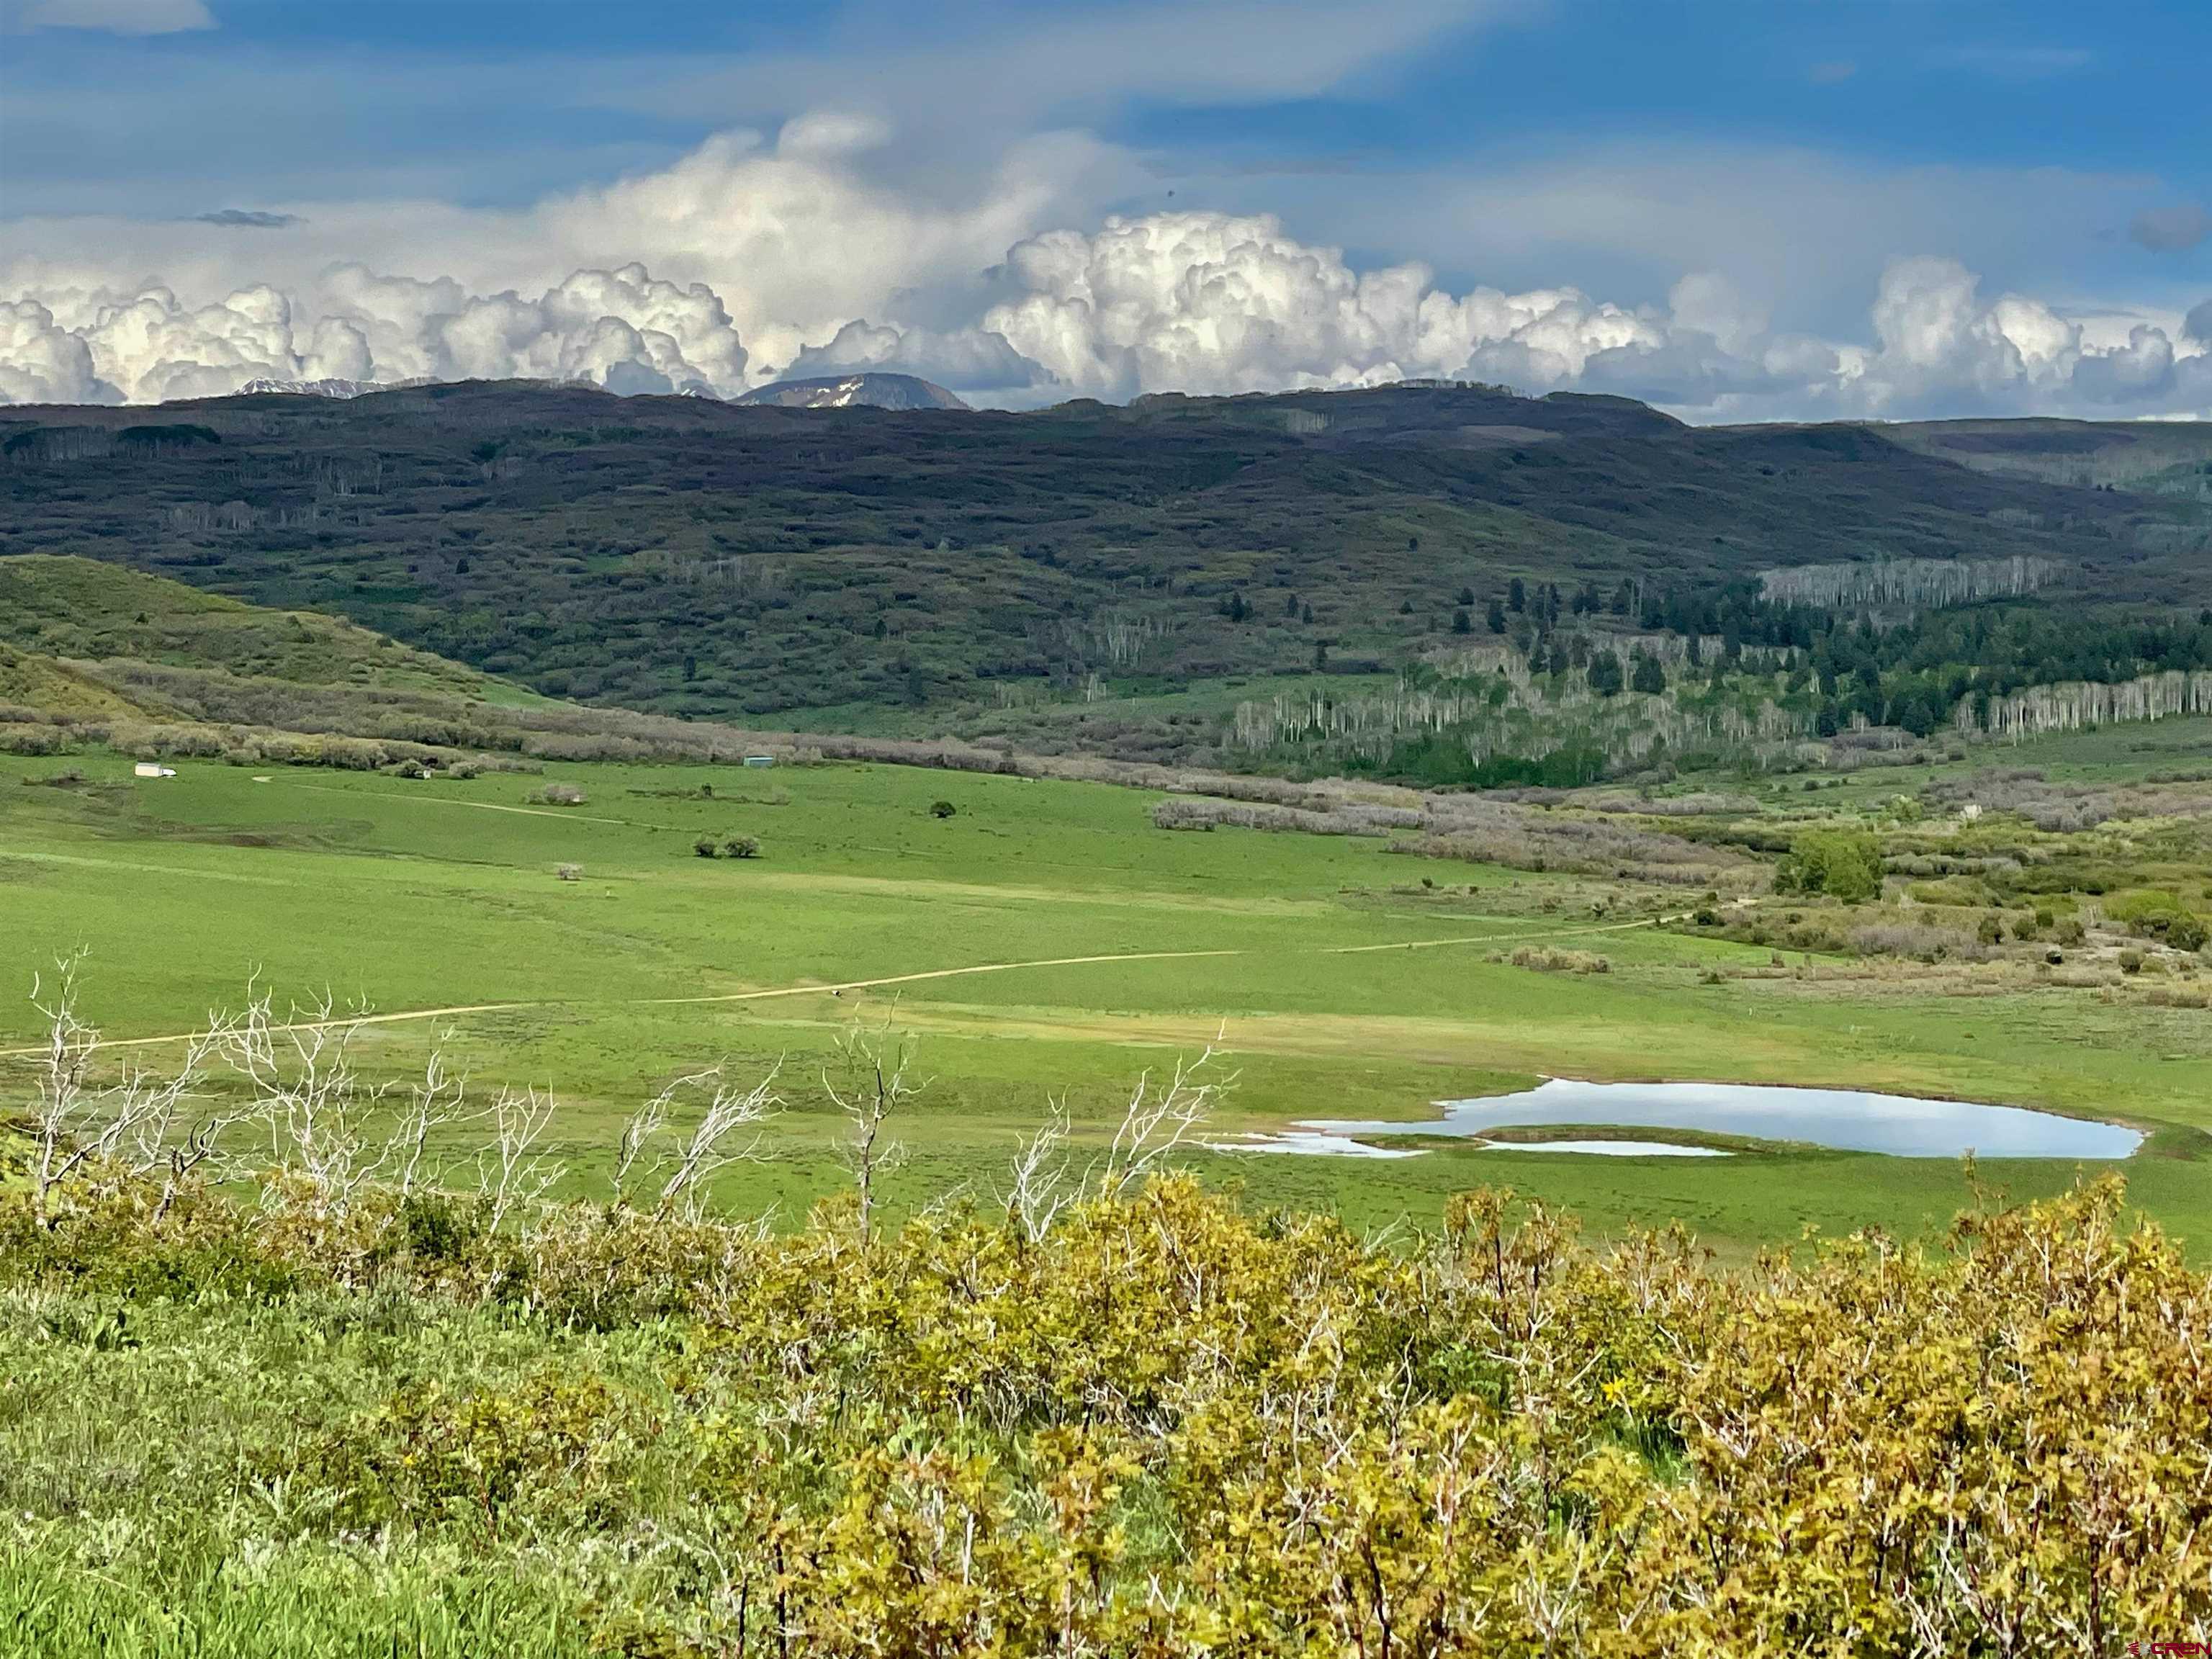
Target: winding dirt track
(409,1015)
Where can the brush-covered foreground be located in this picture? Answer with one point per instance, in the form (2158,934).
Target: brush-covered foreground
(1154,1424)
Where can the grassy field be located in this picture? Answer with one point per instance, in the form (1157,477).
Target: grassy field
(1045,940)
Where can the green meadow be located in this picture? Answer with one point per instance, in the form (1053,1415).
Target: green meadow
(1044,942)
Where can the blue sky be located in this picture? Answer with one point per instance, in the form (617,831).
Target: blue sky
(1787,154)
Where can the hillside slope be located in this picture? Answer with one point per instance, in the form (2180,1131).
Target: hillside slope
(685,556)
(2150,458)
(33,682)
(61,607)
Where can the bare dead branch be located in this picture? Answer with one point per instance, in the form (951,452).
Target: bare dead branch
(876,1066)
(129,1125)
(651,1146)
(512,1174)
(1159,1123)
(1043,1185)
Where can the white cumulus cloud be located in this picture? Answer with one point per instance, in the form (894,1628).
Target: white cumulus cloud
(621,329)
(1209,302)
(151,348)
(752,259)
(42,362)
(1941,348)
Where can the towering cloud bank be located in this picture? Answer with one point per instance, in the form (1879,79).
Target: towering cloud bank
(1202,303)
(790,258)
(620,329)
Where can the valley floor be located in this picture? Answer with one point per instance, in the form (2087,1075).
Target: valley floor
(1042,942)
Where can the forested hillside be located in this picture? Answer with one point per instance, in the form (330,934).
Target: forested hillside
(684,556)
(1443,584)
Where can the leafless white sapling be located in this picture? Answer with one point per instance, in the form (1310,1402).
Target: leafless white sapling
(435,1101)
(337,1132)
(650,1147)
(1157,1122)
(512,1174)
(1160,1122)
(876,1066)
(708,1150)
(136,1121)
(1043,1185)
(320,1114)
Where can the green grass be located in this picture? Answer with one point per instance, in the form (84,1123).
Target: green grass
(236,1576)
(1340,987)
(318,1601)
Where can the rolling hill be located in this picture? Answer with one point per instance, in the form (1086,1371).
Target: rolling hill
(78,609)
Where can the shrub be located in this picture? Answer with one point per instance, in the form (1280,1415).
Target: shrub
(426,1456)
(1559,962)
(570,871)
(1914,936)
(1843,864)
(558,795)
(439,1227)
(2185,933)
(1476,829)
(40,739)
(942,808)
(706,848)
(742,846)
(2155,913)
(2054,807)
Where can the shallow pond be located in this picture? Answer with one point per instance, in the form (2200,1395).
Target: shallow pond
(1846,1119)
(1310,1143)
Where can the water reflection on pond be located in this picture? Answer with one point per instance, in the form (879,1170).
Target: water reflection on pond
(1847,1119)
